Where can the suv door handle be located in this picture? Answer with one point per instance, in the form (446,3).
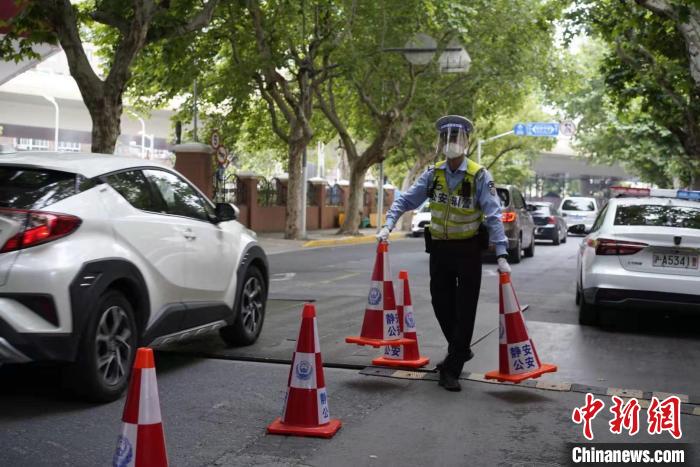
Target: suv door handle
(190,236)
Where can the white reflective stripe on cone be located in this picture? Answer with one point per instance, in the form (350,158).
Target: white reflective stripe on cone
(398,292)
(149,405)
(409,323)
(521,357)
(392,329)
(387,266)
(304,371)
(510,305)
(125,454)
(375,299)
(317,344)
(324,414)
(393,352)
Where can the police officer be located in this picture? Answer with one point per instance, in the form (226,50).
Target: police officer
(462,198)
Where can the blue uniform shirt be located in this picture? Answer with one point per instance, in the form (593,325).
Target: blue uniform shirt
(490,203)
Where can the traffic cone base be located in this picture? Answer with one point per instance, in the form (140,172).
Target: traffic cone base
(383,361)
(544,368)
(359,340)
(323,431)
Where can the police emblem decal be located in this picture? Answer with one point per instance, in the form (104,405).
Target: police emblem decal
(304,370)
(375,296)
(124,453)
(408,320)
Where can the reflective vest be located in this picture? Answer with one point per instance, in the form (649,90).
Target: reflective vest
(453,213)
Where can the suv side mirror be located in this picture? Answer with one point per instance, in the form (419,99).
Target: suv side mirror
(531,207)
(578,229)
(226,212)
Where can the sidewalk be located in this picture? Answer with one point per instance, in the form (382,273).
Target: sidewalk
(274,242)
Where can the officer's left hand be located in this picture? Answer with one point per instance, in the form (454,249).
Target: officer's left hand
(503,265)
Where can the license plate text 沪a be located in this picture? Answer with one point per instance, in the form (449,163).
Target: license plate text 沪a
(676,261)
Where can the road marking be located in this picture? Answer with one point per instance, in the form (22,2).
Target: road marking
(283,276)
(346,276)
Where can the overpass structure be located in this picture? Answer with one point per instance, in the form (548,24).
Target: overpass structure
(564,171)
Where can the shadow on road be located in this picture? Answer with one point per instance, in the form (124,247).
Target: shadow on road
(654,322)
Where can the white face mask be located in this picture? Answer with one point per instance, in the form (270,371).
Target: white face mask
(452,150)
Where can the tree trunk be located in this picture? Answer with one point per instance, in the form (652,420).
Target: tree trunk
(106,122)
(292,223)
(352,215)
(408,180)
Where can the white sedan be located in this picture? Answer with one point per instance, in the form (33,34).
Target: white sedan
(640,251)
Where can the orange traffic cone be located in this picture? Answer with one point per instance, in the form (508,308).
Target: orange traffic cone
(407,355)
(142,442)
(306,410)
(517,357)
(381,325)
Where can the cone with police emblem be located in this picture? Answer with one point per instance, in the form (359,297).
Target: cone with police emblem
(306,410)
(517,357)
(142,442)
(381,325)
(407,355)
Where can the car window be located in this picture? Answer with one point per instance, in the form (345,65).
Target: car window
(25,188)
(504,196)
(599,220)
(518,201)
(178,196)
(578,205)
(659,216)
(134,187)
(541,210)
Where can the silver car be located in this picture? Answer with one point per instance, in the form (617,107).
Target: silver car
(640,251)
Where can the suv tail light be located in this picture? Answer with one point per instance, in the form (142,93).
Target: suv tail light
(509,216)
(605,246)
(551,220)
(38,227)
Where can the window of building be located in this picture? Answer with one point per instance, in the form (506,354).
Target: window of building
(68,146)
(30,144)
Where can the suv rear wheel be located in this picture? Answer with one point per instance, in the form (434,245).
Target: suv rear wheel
(530,251)
(106,352)
(516,254)
(251,313)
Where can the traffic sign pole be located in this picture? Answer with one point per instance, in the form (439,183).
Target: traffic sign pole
(482,141)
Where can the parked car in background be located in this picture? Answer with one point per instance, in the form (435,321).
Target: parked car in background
(102,254)
(579,210)
(421,219)
(517,222)
(549,224)
(641,251)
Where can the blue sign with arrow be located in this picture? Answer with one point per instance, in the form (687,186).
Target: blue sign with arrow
(546,129)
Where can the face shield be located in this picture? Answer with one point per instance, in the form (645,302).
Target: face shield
(452,141)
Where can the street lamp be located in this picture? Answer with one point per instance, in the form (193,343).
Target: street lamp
(56,115)
(420,50)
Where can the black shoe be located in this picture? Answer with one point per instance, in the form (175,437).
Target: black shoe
(449,381)
(439,366)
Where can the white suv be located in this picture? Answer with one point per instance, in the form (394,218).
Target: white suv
(100,254)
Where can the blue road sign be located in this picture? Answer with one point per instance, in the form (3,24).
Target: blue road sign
(536,129)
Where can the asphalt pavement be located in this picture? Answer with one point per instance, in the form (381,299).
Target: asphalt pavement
(216,401)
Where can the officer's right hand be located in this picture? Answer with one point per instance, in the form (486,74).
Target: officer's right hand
(503,265)
(383,234)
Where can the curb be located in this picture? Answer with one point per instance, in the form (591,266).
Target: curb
(351,240)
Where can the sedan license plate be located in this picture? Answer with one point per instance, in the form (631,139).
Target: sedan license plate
(676,261)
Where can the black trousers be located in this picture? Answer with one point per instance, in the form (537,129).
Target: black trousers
(455,280)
